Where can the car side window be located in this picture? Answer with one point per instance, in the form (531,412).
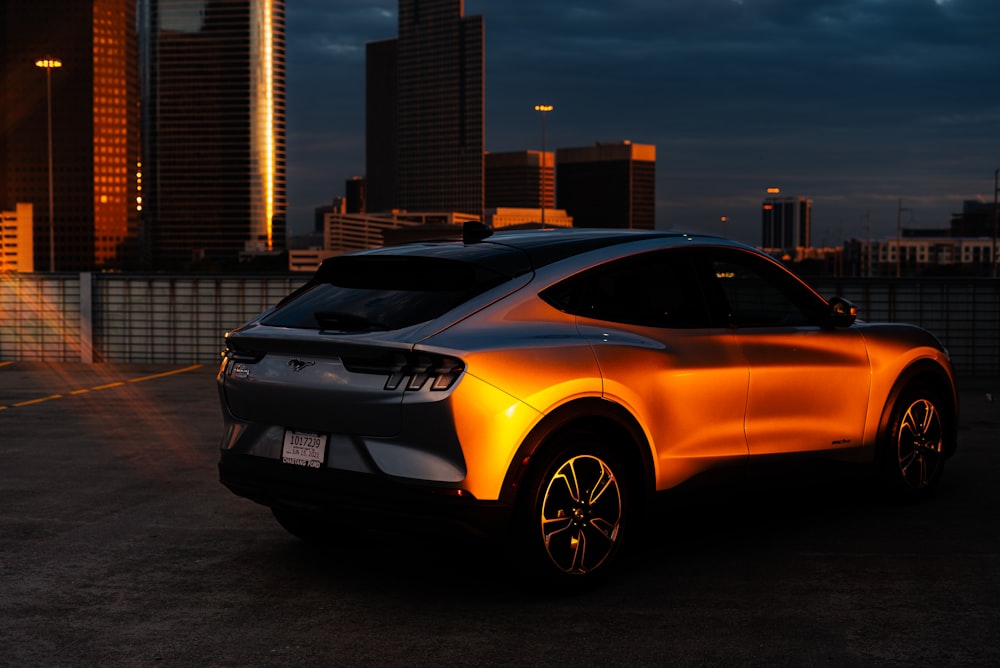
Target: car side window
(654,290)
(761,294)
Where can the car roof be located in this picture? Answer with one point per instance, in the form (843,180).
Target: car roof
(520,251)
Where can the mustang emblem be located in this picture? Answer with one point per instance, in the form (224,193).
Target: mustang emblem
(299,365)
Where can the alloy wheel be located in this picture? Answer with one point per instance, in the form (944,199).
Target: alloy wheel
(581,514)
(919,444)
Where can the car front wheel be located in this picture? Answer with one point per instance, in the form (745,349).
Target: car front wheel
(913,446)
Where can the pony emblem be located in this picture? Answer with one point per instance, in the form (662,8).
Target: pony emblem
(299,365)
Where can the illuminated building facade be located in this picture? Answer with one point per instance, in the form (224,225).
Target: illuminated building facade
(214,120)
(95,127)
(424,111)
(608,185)
(786,223)
(514,217)
(17,239)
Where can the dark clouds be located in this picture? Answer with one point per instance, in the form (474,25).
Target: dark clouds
(853,103)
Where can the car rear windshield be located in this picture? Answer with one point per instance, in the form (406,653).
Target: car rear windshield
(365,293)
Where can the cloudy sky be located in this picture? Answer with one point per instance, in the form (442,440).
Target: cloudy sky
(854,104)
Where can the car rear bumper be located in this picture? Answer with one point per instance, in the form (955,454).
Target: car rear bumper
(362,498)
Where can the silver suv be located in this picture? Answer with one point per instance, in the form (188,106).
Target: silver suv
(542,386)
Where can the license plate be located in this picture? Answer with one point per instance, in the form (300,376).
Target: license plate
(302,448)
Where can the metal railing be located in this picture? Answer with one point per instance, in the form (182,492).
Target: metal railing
(129,318)
(180,319)
(964,313)
(40,317)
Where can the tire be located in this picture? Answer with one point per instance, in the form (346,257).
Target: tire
(913,447)
(576,509)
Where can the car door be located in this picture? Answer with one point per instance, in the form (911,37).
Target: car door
(809,383)
(660,355)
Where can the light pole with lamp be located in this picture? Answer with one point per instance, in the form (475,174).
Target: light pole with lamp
(996,190)
(48,64)
(543,109)
(899,232)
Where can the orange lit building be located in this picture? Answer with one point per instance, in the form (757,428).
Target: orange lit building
(95,124)
(520,179)
(608,185)
(17,239)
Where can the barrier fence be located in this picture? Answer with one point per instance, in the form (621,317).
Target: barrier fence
(964,313)
(130,318)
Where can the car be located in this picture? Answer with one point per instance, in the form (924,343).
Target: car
(543,387)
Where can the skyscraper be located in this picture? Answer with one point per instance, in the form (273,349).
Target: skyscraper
(786,223)
(381,103)
(430,83)
(94,127)
(608,185)
(214,122)
(517,179)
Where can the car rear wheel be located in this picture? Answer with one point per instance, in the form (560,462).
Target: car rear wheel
(576,510)
(912,450)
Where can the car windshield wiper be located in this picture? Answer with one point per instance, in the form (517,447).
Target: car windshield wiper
(347,322)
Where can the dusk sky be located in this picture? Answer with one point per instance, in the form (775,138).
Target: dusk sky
(851,103)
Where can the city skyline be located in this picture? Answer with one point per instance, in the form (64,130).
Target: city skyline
(160,139)
(853,104)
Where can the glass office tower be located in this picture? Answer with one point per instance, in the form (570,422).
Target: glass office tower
(214,130)
(609,184)
(424,116)
(786,223)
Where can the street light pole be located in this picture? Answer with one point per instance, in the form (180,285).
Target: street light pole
(868,244)
(899,232)
(996,189)
(543,109)
(47,64)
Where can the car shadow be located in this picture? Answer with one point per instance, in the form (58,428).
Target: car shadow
(768,518)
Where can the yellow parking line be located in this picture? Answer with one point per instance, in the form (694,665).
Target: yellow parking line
(97,388)
(107,386)
(37,401)
(166,373)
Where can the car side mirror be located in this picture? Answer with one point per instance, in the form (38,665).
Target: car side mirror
(840,312)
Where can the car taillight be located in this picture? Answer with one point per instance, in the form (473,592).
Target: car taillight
(237,354)
(413,371)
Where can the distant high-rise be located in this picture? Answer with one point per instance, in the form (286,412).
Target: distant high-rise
(214,121)
(380,124)
(976,220)
(424,117)
(517,179)
(95,127)
(786,223)
(608,185)
(17,239)
(355,192)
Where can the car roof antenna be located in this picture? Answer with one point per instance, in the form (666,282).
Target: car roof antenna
(473,232)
